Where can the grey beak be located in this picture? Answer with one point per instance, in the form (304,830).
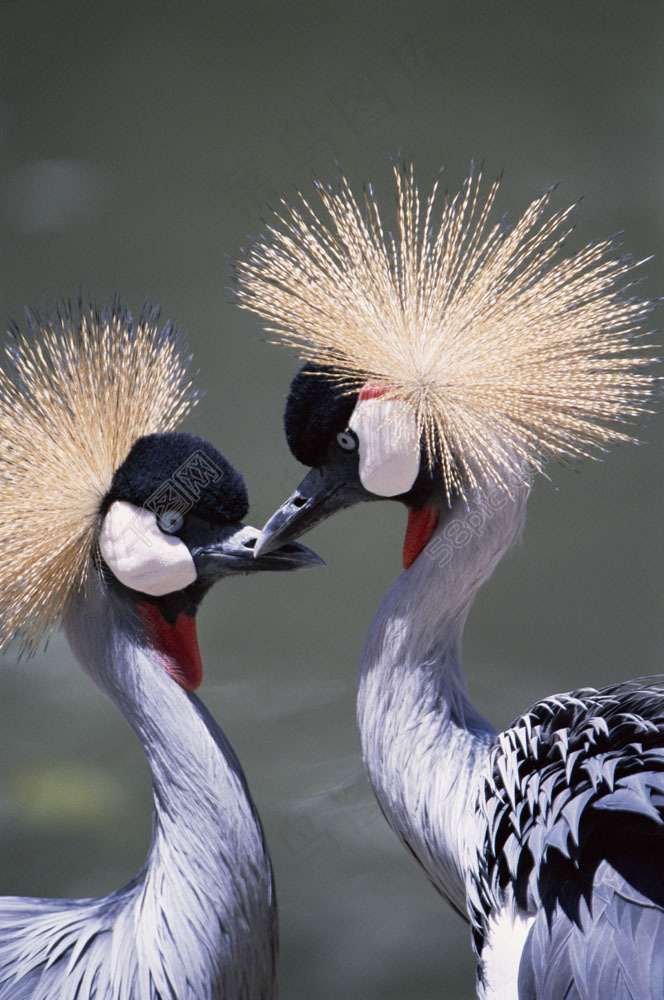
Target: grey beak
(233,550)
(319,495)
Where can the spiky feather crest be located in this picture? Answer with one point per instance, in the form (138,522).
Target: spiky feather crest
(507,352)
(79,390)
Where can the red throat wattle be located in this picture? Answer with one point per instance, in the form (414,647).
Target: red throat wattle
(421,526)
(176,644)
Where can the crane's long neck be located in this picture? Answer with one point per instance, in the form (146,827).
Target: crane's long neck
(422,740)
(205,898)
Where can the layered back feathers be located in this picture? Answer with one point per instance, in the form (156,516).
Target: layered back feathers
(77,392)
(506,352)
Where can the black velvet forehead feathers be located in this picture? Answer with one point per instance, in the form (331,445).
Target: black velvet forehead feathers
(316,410)
(178,471)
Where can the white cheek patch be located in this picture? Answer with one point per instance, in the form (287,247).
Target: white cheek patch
(139,553)
(389,445)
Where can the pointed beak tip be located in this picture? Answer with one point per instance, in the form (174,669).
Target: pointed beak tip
(318,560)
(263,546)
(269,543)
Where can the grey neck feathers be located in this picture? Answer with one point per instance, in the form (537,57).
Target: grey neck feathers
(202,912)
(423,742)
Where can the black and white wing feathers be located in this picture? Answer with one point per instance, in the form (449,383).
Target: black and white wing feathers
(572,814)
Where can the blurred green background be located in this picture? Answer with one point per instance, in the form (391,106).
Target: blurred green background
(139,145)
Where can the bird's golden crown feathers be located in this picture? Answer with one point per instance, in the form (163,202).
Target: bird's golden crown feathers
(506,351)
(80,387)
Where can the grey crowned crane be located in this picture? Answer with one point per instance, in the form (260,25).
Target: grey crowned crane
(444,365)
(117,525)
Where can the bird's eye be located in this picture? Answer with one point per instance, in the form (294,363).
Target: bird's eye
(170,521)
(347,441)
